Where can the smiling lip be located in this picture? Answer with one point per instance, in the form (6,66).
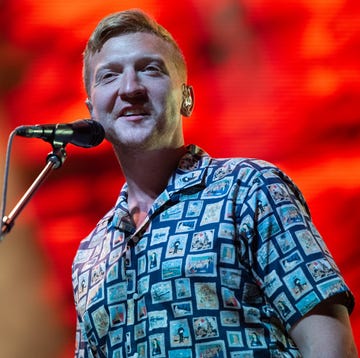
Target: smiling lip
(133,113)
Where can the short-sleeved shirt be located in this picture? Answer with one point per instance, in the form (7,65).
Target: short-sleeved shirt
(227,261)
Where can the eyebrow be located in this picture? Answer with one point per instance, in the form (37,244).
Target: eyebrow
(141,60)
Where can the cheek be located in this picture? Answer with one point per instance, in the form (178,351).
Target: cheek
(173,101)
(103,99)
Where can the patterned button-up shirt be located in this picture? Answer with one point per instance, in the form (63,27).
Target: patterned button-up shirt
(227,261)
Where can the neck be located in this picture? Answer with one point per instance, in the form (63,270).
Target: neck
(147,174)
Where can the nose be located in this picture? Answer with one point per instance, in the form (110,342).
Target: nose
(131,86)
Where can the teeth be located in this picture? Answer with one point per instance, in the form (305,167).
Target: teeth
(132,113)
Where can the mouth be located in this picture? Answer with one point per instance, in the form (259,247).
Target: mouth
(133,113)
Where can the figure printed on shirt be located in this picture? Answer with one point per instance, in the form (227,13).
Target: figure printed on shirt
(255,337)
(267,254)
(291,261)
(226,169)
(202,240)
(95,295)
(116,336)
(181,309)
(285,242)
(251,314)
(307,242)
(218,189)
(159,235)
(157,319)
(213,349)
(179,333)
(142,350)
(141,309)
(212,213)
(182,288)
(320,269)
(268,227)
(194,208)
(205,327)
(101,321)
(206,295)
(185,225)
(161,292)
(140,330)
(97,273)
(234,339)
(157,345)
(174,212)
(271,283)
(297,283)
(229,318)
(176,245)
(278,192)
(330,287)
(171,269)
(230,277)
(226,231)
(154,259)
(180,353)
(283,305)
(229,298)
(227,253)
(143,285)
(308,302)
(84,283)
(201,265)
(141,265)
(117,314)
(117,293)
(290,216)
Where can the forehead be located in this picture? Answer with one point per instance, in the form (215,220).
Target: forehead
(133,46)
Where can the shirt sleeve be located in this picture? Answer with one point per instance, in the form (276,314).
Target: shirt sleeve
(288,258)
(80,342)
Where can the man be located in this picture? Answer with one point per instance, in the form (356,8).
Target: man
(244,268)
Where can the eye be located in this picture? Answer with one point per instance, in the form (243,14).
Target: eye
(152,69)
(108,76)
(105,77)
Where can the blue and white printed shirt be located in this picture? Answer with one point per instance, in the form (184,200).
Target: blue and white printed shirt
(227,261)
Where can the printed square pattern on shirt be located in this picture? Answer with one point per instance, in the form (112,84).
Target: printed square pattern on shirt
(226,263)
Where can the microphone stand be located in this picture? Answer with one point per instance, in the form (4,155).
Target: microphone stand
(54,160)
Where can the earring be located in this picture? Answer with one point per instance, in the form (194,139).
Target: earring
(187,104)
(89,105)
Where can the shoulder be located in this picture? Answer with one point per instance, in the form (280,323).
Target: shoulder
(246,169)
(256,175)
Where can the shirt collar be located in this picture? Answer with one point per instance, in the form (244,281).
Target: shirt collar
(189,177)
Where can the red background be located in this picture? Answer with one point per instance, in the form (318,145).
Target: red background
(276,80)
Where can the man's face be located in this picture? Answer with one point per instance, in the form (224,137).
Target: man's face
(136,92)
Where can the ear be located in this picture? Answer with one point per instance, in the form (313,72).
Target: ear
(188,100)
(89,106)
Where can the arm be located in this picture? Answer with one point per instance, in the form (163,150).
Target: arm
(325,332)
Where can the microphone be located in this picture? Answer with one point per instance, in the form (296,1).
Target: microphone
(84,133)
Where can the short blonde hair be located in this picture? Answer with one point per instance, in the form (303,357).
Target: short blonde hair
(125,22)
